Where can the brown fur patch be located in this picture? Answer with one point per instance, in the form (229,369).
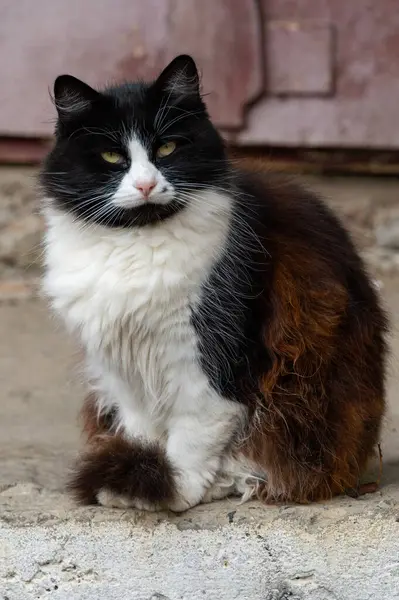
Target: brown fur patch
(319,415)
(95,424)
(129,469)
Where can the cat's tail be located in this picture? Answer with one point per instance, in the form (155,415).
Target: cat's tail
(136,472)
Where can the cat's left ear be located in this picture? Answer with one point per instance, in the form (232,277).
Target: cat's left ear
(72,97)
(180,77)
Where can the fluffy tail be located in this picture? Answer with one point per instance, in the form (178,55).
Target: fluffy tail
(129,469)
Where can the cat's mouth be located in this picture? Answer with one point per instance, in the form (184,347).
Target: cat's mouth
(146,213)
(132,201)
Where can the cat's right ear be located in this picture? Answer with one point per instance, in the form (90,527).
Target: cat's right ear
(72,97)
(180,77)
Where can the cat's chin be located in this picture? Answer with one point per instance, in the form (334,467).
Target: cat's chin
(139,216)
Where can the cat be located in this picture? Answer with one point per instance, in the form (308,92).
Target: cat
(234,343)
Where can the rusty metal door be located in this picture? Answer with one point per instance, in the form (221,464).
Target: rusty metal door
(278,72)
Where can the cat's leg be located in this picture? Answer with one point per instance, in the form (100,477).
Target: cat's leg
(199,434)
(135,466)
(122,465)
(145,477)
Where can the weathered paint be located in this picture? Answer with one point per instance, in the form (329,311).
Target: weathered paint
(114,40)
(321,73)
(299,58)
(362,110)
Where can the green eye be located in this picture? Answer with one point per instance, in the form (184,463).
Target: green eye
(112,157)
(166,149)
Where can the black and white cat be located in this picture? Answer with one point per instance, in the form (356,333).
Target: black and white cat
(170,264)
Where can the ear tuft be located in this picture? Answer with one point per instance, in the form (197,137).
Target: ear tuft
(180,77)
(72,96)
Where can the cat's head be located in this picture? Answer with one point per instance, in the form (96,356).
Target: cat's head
(134,154)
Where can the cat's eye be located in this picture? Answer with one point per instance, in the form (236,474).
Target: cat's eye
(112,157)
(166,149)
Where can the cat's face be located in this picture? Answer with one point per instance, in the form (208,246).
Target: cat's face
(135,154)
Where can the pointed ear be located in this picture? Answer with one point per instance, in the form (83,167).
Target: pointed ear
(180,77)
(72,97)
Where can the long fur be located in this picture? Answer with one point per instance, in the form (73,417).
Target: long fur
(234,342)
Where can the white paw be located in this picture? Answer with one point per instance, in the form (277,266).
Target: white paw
(186,498)
(111,500)
(191,488)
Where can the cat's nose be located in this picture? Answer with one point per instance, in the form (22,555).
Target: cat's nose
(145,187)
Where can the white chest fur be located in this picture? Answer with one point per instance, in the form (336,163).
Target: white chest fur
(128,293)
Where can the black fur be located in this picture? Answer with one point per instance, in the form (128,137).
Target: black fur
(79,180)
(232,306)
(235,310)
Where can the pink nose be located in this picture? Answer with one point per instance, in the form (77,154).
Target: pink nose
(145,187)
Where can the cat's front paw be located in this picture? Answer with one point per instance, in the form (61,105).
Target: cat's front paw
(191,488)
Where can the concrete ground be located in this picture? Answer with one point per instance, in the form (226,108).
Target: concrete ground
(346,549)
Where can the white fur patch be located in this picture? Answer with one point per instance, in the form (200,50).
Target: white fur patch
(127,293)
(142,172)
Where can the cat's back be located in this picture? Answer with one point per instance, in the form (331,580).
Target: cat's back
(300,231)
(291,213)
(319,279)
